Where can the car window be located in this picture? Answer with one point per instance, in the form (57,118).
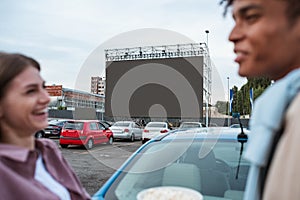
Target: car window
(101,126)
(57,123)
(73,125)
(61,123)
(190,125)
(215,160)
(93,126)
(156,125)
(122,124)
(213,125)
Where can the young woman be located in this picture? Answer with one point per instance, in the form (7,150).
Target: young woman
(29,168)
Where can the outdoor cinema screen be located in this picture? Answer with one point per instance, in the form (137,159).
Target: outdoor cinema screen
(164,87)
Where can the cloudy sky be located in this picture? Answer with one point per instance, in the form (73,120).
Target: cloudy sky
(63,34)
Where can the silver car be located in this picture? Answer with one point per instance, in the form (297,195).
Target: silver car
(126,130)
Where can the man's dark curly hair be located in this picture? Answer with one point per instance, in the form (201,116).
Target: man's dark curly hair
(227,3)
(292,12)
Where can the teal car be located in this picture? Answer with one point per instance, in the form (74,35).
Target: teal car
(208,163)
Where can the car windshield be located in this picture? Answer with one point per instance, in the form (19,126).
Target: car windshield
(123,124)
(156,125)
(56,123)
(208,166)
(73,125)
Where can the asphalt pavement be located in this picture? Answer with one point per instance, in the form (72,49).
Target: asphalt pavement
(95,166)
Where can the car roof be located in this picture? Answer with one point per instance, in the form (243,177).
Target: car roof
(191,123)
(58,120)
(124,122)
(83,120)
(157,123)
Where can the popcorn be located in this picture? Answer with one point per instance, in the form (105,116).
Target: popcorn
(169,193)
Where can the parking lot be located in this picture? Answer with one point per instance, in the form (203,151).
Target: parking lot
(95,166)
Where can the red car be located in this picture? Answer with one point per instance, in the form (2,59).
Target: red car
(84,132)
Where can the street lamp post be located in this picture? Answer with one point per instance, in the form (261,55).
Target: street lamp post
(228,101)
(207,31)
(207,92)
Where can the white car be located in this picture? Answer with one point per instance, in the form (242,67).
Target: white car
(152,129)
(126,130)
(191,125)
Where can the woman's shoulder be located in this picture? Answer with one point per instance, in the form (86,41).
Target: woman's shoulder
(46,144)
(45,141)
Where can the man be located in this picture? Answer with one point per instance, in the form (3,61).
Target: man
(266,39)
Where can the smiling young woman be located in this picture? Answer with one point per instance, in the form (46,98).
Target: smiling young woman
(35,164)
(23,102)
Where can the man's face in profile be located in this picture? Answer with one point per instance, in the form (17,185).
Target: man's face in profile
(263,38)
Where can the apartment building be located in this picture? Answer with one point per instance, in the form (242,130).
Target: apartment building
(98,85)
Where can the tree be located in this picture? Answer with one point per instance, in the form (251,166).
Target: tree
(61,108)
(241,98)
(222,107)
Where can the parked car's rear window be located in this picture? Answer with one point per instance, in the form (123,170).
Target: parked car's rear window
(156,125)
(59,123)
(121,124)
(74,125)
(190,125)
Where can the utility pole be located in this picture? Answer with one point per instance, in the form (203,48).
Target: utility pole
(228,102)
(207,83)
